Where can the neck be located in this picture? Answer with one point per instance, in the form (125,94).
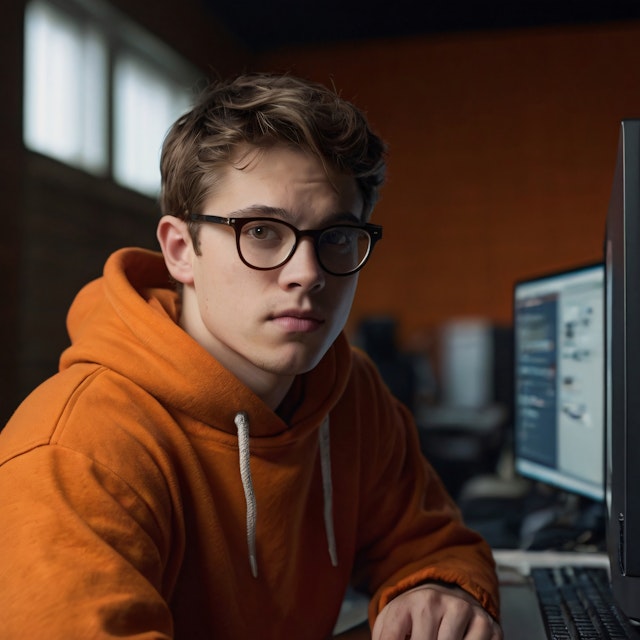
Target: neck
(271,395)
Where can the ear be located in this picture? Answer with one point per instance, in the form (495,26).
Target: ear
(177,248)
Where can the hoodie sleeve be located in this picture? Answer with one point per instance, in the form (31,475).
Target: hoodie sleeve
(83,551)
(412,531)
(61,510)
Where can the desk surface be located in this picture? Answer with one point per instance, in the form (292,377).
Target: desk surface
(510,561)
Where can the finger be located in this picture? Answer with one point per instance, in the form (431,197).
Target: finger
(390,626)
(425,627)
(455,624)
(482,627)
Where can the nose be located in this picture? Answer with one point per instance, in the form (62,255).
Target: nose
(303,269)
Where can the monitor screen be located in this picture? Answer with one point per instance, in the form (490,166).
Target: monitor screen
(559,380)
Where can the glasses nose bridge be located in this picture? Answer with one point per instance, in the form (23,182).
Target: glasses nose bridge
(313,235)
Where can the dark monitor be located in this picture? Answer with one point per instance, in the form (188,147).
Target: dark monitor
(559,380)
(622,346)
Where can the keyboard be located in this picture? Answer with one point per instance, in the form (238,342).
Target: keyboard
(577,604)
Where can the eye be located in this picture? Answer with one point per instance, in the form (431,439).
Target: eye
(337,237)
(264,231)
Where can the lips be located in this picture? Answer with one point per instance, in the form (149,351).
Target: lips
(297,321)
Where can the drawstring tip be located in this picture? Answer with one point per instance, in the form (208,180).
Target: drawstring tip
(254,566)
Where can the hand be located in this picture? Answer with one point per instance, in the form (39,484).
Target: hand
(435,612)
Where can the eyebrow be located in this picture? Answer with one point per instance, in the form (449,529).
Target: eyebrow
(347,217)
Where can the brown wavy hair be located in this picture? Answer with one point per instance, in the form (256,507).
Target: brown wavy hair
(263,110)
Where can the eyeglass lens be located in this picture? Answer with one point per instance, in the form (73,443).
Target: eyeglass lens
(267,244)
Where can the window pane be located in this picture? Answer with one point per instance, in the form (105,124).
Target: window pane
(146,103)
(65,88)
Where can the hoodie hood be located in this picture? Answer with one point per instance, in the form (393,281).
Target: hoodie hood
(127,321)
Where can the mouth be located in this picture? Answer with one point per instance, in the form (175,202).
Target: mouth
(296,321)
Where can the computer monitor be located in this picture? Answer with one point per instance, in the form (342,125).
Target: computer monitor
(559,380)
(622,348)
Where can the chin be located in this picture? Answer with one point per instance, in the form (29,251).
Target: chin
(297,363)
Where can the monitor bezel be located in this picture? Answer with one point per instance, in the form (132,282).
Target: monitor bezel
(622,362)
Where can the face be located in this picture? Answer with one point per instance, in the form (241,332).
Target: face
(266,326)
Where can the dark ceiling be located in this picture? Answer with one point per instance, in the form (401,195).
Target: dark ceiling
(264,25)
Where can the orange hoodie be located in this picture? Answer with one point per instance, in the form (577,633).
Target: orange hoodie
(125,512)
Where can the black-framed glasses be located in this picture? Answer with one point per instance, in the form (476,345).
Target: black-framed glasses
(268,243)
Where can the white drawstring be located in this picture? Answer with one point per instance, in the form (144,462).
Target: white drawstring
(327,489)
(242,424)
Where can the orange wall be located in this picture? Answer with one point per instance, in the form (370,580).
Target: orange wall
(502,151)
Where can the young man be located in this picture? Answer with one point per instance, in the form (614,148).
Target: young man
(213,460)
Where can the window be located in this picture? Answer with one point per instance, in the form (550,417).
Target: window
(145,105)
(65,89)
(100,93)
